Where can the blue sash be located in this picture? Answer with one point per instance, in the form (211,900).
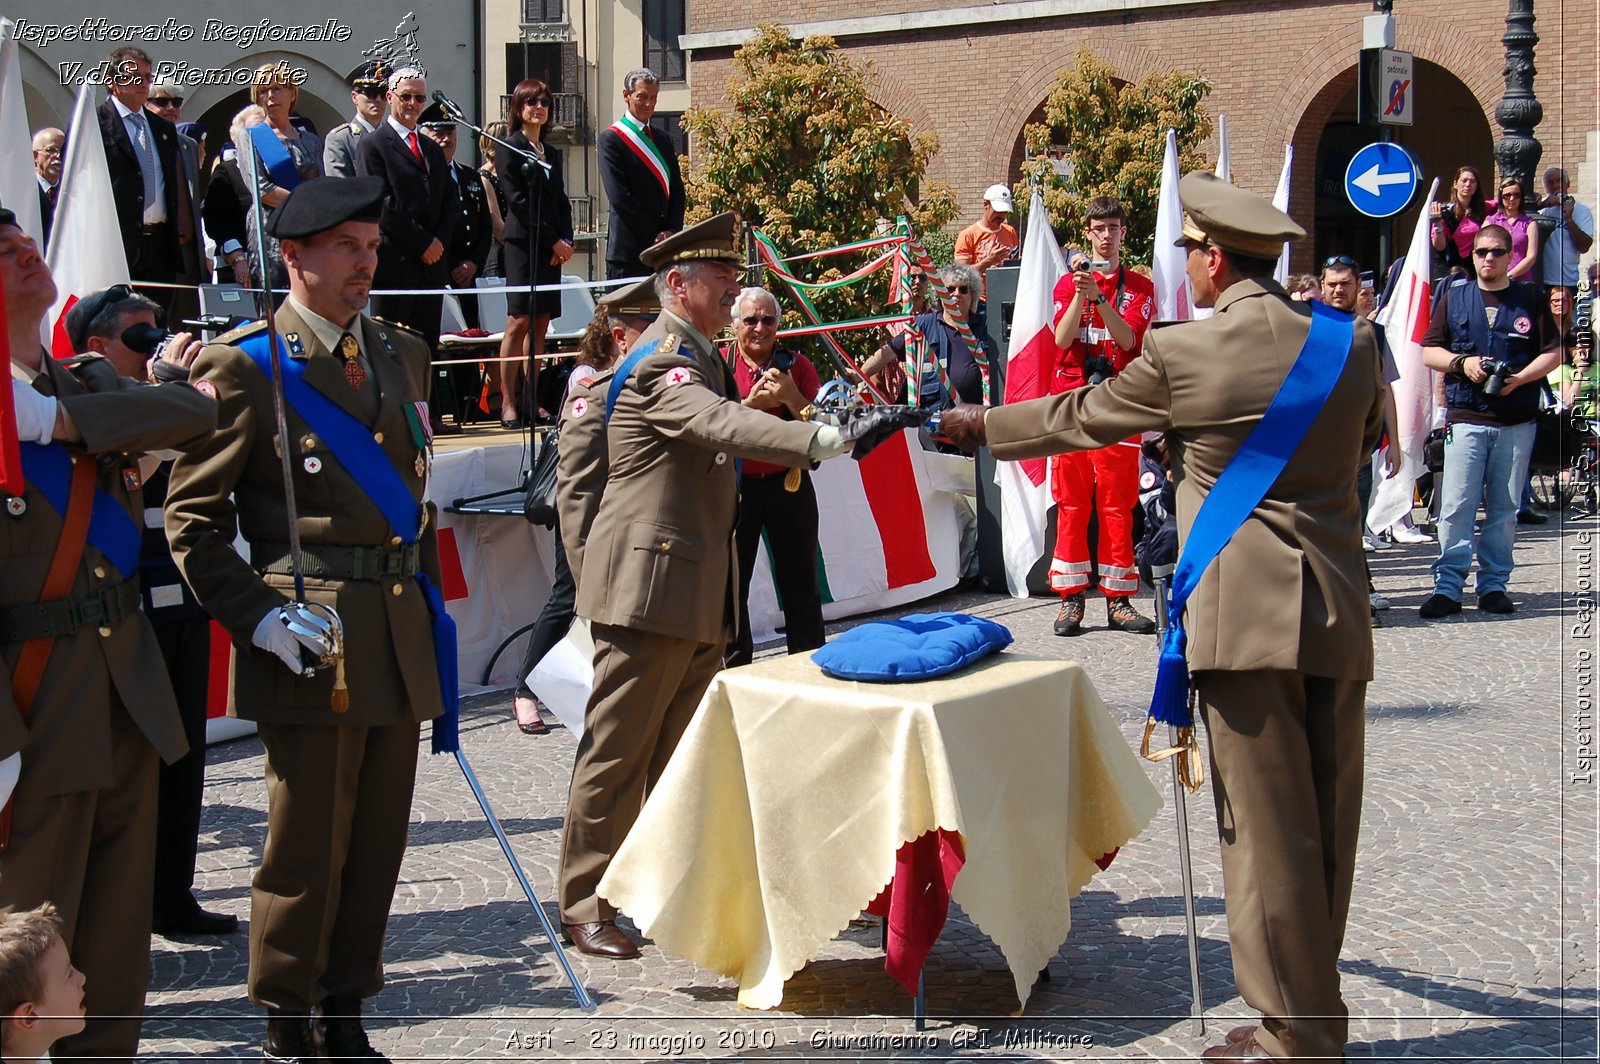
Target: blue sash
(619,379)
(113,533)
(353,447)
(279,163)
(1241,487)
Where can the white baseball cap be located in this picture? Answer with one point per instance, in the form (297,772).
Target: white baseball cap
(998,197)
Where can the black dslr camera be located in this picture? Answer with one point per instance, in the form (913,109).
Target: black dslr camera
(783,360)
(1098,370)
(1498,370)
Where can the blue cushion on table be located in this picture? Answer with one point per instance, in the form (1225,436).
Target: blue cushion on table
(918,646)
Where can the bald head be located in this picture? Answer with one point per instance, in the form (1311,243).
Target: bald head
(47,147)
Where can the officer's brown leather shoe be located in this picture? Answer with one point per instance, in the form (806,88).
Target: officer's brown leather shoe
(1248,1050)
(288,1039)
(600,939)
(1241,1033)
(1069,620)
(1121,615)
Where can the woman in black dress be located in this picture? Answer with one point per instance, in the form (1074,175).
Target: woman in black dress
(538,240)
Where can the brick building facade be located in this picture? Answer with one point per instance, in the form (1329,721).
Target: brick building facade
(1283,73)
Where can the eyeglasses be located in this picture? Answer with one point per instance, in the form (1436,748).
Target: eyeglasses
(962,289)
(1489,253)
(49,153)
(371,92)
(1339,260)
(165,101)
(541,102)
(764,319)
(410,97)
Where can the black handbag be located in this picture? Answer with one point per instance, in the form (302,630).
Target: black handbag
(539,504)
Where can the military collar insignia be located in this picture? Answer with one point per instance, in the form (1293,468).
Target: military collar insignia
(297,348)
(383,338)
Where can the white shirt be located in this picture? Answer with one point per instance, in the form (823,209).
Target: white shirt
(1558,259)
(154,212)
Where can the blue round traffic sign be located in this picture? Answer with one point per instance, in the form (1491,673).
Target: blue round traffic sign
(1381,179)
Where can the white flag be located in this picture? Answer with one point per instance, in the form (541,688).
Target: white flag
(1030,366)
(1224,161)
(1405,321)
(1280,200)
(1167,260)
(86,252)
(19,186)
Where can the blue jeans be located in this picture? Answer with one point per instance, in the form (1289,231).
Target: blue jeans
(1486,463)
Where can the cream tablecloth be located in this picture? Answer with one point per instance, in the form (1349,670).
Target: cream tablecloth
(780,814)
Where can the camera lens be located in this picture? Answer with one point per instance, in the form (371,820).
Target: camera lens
(143,338)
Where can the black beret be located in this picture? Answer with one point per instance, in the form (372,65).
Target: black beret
(324,202)
(433,117)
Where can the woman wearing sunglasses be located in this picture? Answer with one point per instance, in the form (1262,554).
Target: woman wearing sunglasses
(1509,215)
(538,242)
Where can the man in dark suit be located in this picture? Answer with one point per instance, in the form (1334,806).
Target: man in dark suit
(639,168)
(1280,639)
(153,200)
(420,205)
(166,101)
(48,144)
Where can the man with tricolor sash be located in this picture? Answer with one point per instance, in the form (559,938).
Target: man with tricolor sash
(340,764)
(86,708)
(639,168)
(1268,406)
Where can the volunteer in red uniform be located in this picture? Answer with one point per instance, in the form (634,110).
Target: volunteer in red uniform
(1101,313)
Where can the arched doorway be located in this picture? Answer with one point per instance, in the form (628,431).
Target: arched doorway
(1452,130)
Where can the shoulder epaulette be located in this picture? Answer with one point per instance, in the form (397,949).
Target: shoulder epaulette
(399,325)
(234,335)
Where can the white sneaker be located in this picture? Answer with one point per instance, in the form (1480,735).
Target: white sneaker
(1379,602)
(1369,542)
(1403,534)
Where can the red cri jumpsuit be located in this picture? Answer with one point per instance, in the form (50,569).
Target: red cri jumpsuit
(1107,478)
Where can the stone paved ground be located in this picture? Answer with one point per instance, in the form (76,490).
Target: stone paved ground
(1472,937)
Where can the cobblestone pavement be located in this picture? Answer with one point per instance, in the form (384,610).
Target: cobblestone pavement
(1472,936)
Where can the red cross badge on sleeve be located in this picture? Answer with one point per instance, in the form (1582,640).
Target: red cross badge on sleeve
(580,406)
(679,375)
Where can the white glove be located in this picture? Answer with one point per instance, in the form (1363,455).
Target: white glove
(10,769)
(827,443)
(285,630)
(36,413)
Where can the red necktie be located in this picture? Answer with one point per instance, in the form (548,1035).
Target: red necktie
(416,149)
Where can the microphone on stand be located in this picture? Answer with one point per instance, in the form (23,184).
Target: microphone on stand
(448,104)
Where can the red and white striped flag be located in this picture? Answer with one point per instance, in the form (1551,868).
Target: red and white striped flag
(86,251)
(1030,362)
(1167,260)
(1405,322)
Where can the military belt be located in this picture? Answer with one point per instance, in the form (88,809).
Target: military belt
(340,563)
(63,616)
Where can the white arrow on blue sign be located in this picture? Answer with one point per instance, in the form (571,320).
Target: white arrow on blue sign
(1381,179)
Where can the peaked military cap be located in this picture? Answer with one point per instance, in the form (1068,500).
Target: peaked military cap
(1236,220)
(638,298)
(324,202)
(372,75)
(715,239)
(433,117)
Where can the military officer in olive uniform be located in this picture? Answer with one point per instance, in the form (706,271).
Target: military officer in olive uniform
(659,568)
(1280,640)
(339,783)
(85,704)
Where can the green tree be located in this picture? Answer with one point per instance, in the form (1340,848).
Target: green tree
(1115,134)
(803,152)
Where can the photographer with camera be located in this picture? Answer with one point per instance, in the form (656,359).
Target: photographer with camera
(1571,232)
(775,499)
(1102,311)
(1490,336)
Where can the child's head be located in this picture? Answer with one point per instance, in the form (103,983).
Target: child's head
(41,993)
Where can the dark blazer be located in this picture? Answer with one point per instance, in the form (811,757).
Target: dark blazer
(639,209)
(536,199)
(420,205)
(227,200)
(127,181)
(474,227)
(47,216)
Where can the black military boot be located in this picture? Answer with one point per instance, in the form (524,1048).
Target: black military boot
(288,1039)
(337,1031)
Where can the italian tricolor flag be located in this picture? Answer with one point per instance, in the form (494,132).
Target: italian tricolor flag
(888,536)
